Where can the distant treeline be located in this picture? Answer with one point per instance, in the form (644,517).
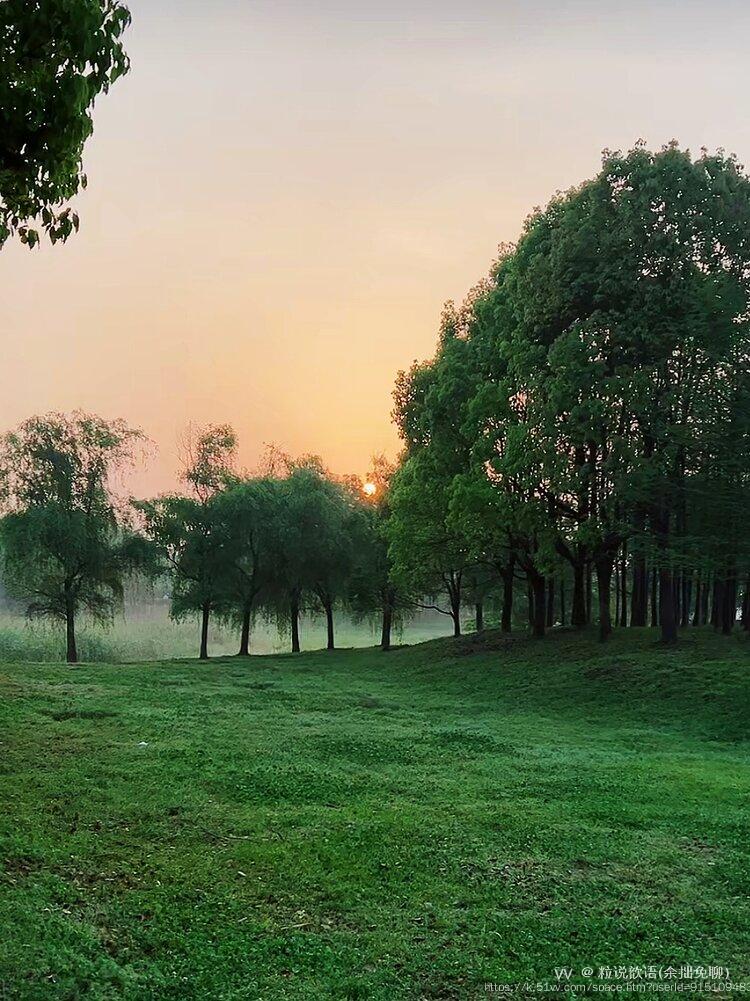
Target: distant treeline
(287,539)
(583,430)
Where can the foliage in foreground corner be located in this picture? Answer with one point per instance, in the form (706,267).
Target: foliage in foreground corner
(56,57)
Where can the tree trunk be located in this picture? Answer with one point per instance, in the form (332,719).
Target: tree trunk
(578,613)
(667,617)
(654,598)
(639,594)
(729,616)
(245,633)
(704,602)
(539,602)
(745,620)
(480,616)
(624,587)
(456,615)
(294,615)
(329,626)
(604,583)
(550,602)
(506,623)
(616,574)
(452,584)
(687,594)
(562,600)
(589,594)
(717,602)
(205,616)
(385,635)
(71,654)
(698,600)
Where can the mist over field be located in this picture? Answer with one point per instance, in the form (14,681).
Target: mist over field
(145,631)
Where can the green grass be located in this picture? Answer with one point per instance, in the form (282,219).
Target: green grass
(366,826)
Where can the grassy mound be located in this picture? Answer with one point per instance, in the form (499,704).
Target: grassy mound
(358,825)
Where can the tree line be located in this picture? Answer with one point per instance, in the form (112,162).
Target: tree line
(578,449)
(584,426)
(285,540)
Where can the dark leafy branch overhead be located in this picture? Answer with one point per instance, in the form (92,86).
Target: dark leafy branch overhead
(56,57)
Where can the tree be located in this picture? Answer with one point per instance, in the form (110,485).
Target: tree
(631,296)
(191,534)
(312,547)
(248,510)
(429,556)
(65,547)
(479,509)
(429,551)
(192,542)
(589,403)
(209,457)
(338,526)
(56,57)
(373,588)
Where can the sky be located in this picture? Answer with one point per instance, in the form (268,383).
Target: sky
(283,194)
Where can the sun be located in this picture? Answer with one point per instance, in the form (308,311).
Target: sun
(369,489)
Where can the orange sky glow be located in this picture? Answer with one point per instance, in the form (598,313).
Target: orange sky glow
(283,194)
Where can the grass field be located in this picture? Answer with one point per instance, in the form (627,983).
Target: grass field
(365,826)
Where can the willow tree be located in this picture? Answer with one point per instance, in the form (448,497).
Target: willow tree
(56,57)
(191,542)
(309,545)
(373,588)
(65,546)
(247,510)
(190,532)
(338,519)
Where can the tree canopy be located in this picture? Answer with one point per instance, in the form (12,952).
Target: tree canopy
(65,540)
(601,400)
(56,57)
